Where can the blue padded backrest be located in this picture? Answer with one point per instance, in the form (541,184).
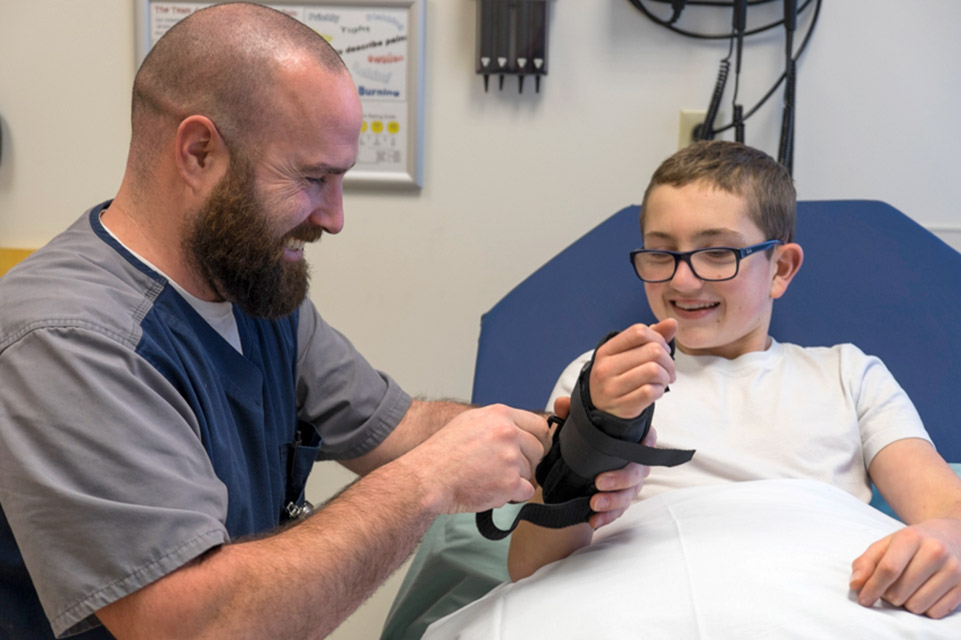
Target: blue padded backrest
(559,312)
(871,276)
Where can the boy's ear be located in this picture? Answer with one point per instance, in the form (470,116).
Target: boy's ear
(787,260)
(201,153)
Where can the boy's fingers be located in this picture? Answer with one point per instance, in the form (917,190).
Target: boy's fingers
(948,603)
(863,568)
(884,562)
(651,438)
(919,588)
(667,328)
(620,375)
(598,520)
(627,353)
(633,337)
(612,500)
(627,477)
(562,406)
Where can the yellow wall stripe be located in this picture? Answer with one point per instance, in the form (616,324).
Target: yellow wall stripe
(10,257)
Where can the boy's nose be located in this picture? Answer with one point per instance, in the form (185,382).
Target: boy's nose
(684,278)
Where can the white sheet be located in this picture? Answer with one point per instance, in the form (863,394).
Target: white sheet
(767,559)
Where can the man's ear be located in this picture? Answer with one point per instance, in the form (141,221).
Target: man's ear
(787,260)
(202,154)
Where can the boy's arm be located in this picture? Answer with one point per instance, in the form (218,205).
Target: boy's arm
(532,547)
(917,567)
(630,371)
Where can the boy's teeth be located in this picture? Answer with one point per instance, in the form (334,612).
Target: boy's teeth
(694,307)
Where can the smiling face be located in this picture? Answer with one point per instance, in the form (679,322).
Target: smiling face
(241,256)
(727,318)
(248,238)
(309,146)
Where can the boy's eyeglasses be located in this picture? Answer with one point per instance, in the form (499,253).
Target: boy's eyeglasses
(712,264)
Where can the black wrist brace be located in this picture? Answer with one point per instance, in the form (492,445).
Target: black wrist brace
(587,443)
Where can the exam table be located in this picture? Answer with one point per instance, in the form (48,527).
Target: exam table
(871,276)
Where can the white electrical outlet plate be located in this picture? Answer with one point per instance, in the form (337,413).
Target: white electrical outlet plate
(689,119)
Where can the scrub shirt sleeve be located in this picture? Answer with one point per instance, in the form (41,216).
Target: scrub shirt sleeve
(106,484)
(353,406)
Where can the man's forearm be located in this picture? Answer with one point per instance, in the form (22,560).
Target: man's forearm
(303,581)
(422,420)
(300,583)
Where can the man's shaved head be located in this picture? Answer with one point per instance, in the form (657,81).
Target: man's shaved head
(220,62)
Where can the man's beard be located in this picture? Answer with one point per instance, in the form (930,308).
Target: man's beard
(237,253)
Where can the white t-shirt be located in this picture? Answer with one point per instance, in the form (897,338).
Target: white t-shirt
(820,413)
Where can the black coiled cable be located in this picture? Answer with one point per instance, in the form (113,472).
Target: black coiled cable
(706,132)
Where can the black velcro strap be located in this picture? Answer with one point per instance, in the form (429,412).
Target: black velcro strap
(631,451)
(587,450)
(551,516)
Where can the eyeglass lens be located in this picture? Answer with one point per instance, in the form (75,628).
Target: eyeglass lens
(710,264)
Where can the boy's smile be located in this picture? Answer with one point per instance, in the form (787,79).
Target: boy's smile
(694,309)
(726,318)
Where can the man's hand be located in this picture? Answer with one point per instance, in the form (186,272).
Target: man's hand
(918,567)
(481,459)
(632,369)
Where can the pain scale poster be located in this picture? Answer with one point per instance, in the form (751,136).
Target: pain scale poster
(375,43)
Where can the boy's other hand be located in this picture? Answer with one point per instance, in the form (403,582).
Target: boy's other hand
(918,568)
(632,369)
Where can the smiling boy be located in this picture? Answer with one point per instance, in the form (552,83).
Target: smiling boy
(717,225)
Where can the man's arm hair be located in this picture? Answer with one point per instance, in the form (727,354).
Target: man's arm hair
(299,583)
(422,420)
(306,579)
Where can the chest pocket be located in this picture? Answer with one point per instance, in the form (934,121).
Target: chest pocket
(297,458)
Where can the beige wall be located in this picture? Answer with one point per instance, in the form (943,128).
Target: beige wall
(509,179)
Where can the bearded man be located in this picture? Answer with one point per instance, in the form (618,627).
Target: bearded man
(166,385)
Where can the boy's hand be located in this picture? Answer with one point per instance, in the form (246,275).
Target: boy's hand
(918,568)
(632,369)
(617,488)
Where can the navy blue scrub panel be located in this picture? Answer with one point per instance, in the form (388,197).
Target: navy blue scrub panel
(134,438)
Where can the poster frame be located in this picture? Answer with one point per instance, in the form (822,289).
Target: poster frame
(411,172)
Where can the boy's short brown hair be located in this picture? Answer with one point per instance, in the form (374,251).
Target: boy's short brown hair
(765,185)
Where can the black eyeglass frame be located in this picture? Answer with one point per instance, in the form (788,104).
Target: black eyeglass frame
(739,254)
